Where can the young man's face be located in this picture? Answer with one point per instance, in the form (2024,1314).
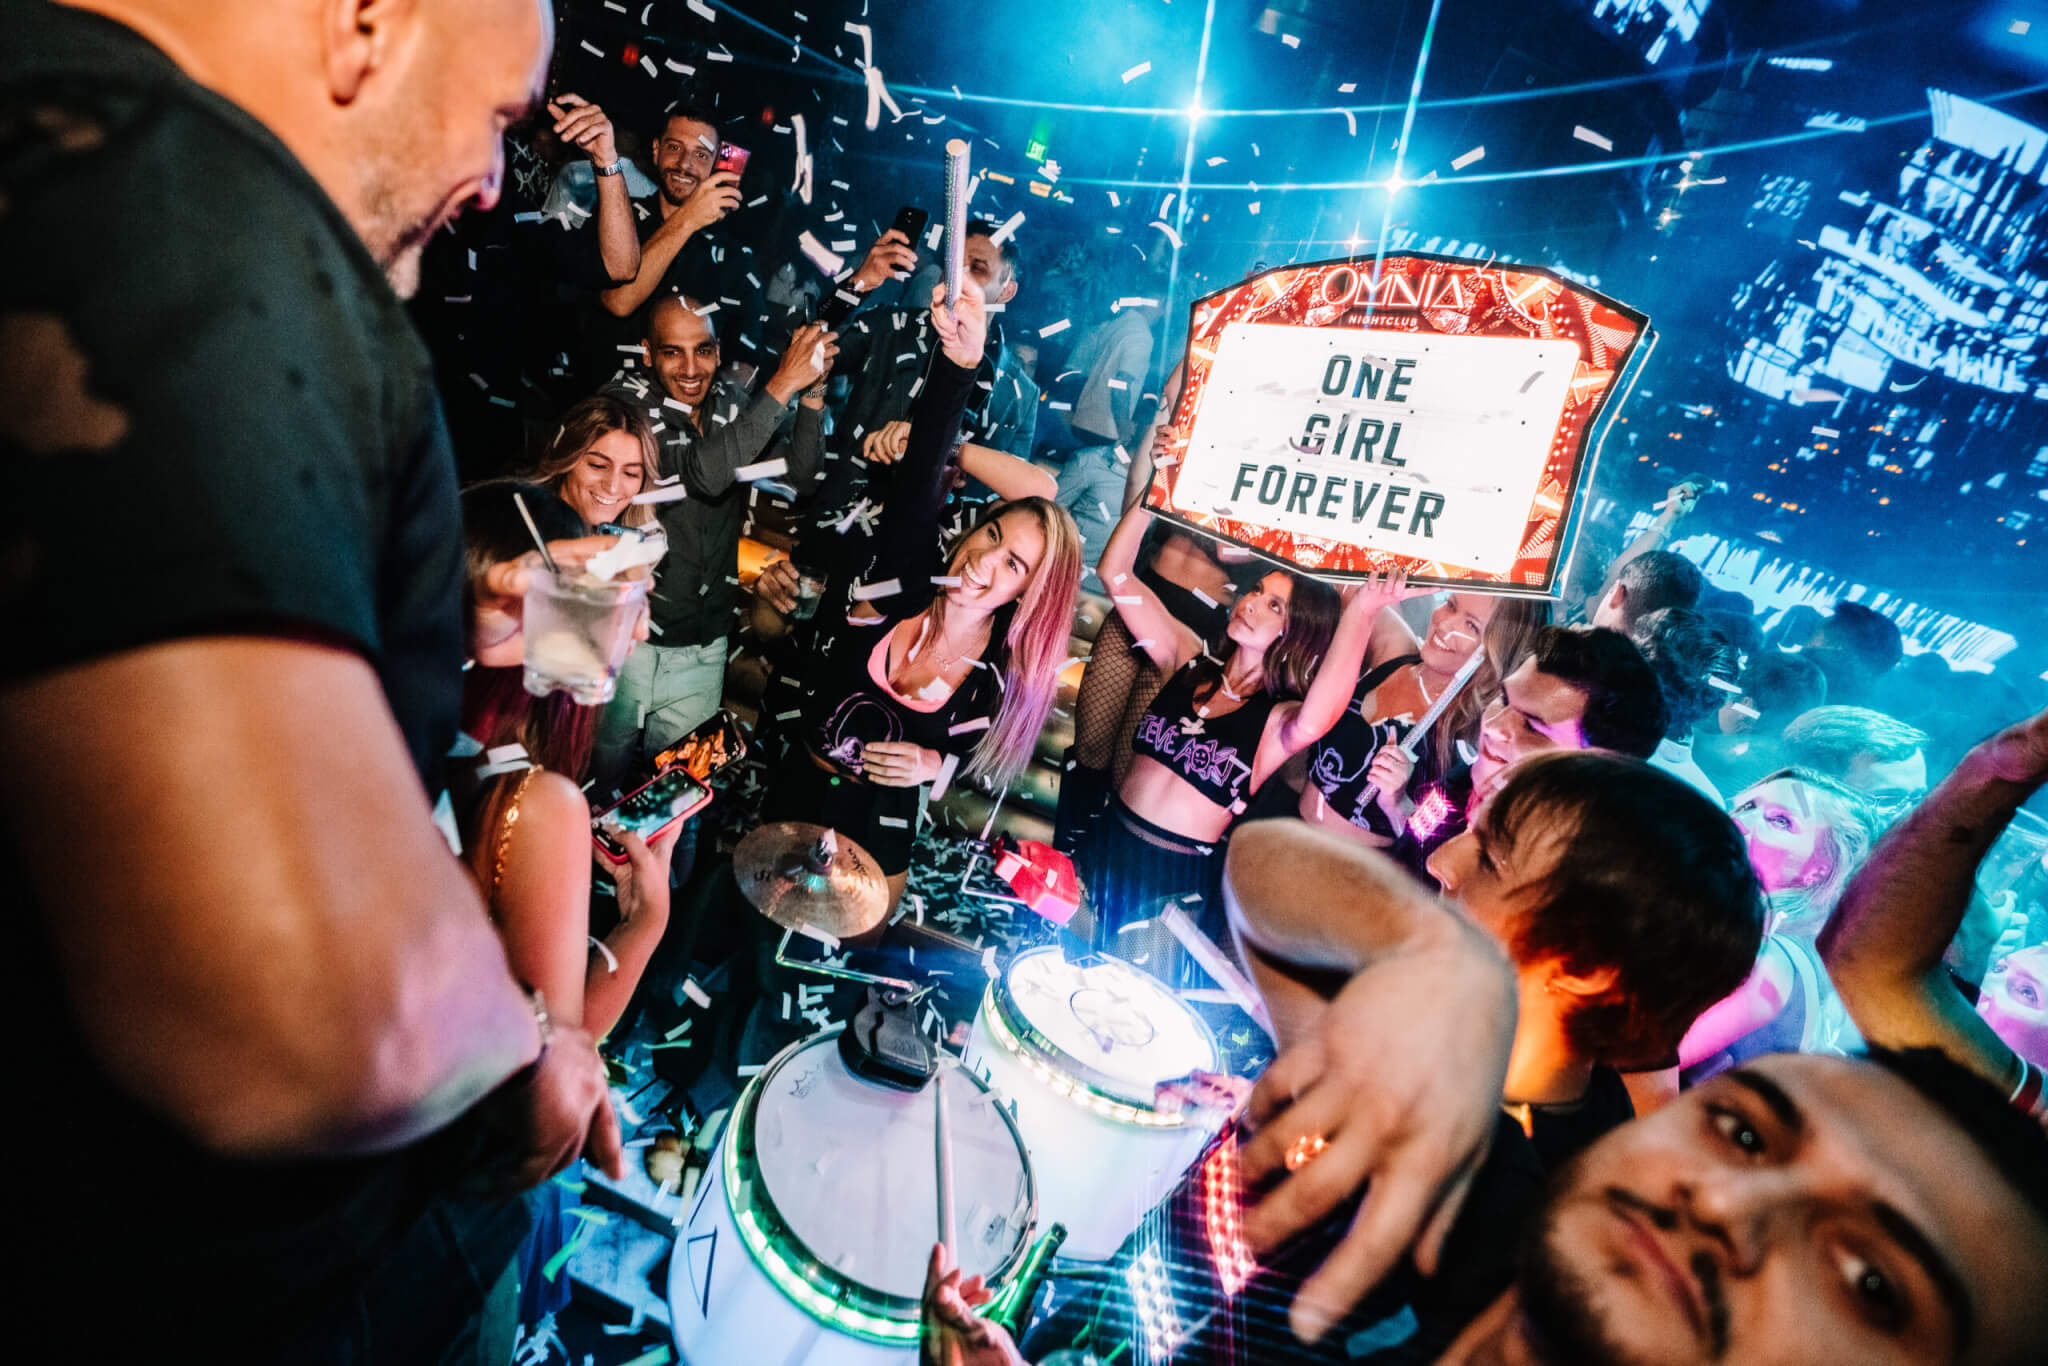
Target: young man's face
(1497,880)
(1800,1209)
(682,350)
(1534,713)
(684,156)
(984,261)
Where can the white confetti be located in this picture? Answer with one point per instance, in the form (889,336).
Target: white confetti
(696,993)
(813,932)
(892,822)
(1254,206)
(1460,163)
(1350,121)
(868,592)
(1290,40)
(673,493)
(1008,229)
(1054,329)
(1171,235)
(1585,134)
(815,252)
(946,580)
(703,11)
(1140,69)
(947,767)
(592,48)
(969,727)
(762,469)
(1347,87)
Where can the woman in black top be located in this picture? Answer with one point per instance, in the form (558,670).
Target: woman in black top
(1219,727)
(931,668)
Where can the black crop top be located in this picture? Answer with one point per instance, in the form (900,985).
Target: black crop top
(845,707)
(1212,754)
(1340,764)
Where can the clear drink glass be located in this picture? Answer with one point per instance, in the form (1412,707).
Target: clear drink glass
(810,591)
(578,632)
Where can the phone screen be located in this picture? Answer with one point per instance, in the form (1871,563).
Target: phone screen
(650,810)
(732,158)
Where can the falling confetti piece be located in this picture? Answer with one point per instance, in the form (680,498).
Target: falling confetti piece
(1347,87)
(1290,40)
(816,253)
(1140,69)
(1585,134)
(1460,163)
(1054,329)
(1171,235)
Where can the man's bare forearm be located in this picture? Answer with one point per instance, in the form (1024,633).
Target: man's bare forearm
(657,254)
(1010,476)
(1905,904)
(1883,944)
(618,244)
(1322,901)
(279,958)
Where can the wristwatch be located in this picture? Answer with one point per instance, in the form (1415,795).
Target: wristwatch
(612,169)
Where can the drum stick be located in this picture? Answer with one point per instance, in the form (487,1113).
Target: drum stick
(942,1142)
(1413,735)
(1204,951)
(956,217)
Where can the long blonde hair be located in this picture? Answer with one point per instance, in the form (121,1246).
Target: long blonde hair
(1035,645)
(585,422)
(1851,827)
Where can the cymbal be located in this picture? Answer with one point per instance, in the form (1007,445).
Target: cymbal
(802,875)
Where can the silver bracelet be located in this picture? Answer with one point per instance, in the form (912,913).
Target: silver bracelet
(612,169)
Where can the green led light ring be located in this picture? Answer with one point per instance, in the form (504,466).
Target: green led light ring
(1051,1065)
(807,1282)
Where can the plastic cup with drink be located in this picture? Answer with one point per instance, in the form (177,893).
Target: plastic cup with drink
(579,629)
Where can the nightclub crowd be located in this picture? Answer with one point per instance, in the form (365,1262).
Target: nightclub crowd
(1658,998)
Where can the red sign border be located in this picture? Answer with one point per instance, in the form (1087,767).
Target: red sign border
(1590,423)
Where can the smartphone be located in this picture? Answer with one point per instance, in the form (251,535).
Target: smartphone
(673,795)
(731,158)
(910,221)
(713,746)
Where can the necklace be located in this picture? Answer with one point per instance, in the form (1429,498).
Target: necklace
(942,658)
(1223,686)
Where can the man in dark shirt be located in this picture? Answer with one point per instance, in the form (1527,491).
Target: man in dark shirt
(716,441)
(502,291)
(684,249)
(1812,1209)
(254,976)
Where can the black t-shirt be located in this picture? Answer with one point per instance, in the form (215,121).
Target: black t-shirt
(1560,1133)
(237,433)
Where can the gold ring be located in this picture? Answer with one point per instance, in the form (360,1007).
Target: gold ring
(1303,1151)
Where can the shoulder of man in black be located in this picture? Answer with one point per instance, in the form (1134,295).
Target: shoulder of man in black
(221,376)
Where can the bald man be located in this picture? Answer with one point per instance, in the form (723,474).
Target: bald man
(252,991)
